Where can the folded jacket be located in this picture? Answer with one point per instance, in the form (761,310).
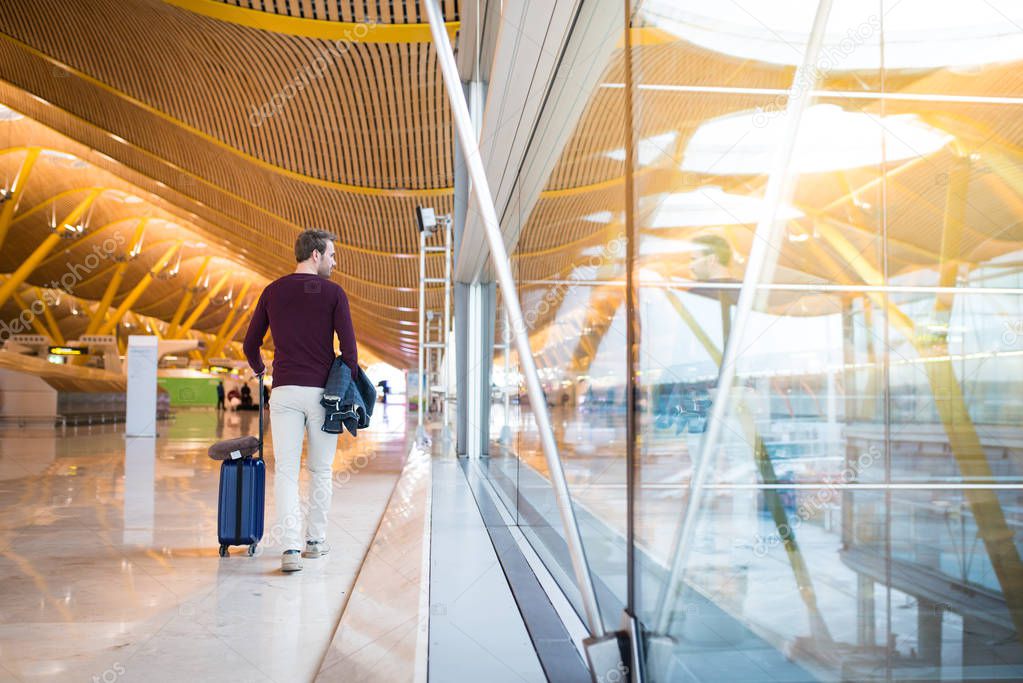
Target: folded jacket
(349,402)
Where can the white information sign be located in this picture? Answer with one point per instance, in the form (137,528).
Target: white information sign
(143,357)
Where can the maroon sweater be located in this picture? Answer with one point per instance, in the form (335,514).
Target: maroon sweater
(303,312)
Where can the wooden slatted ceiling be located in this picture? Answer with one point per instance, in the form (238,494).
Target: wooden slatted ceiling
(72,314)
(112,226)
(263,201)
(365,221)
(362,145)
(345,125)
(378,266)
(354,11)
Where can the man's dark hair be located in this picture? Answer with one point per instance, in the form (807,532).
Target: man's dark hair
(309,240)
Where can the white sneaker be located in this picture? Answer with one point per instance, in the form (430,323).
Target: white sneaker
(315,549)
(291,561)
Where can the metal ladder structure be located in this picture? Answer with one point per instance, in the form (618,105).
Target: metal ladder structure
(434,333)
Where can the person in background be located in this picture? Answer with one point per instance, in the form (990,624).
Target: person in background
(303,311)
(234,398)
(220,396)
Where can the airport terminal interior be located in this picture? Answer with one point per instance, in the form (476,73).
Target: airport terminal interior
(693,326)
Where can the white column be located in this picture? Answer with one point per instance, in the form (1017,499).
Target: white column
(143,356)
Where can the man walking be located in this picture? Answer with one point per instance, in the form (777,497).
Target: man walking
(303,311)
(220,396)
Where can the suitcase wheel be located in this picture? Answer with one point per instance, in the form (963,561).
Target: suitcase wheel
(252,550)
(223,551)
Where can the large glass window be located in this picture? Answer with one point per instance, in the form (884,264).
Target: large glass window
(569,264)
(827,447)
(860,514)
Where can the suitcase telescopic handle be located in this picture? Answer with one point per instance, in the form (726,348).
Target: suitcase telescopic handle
(261,416)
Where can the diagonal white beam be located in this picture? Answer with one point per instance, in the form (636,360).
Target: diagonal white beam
(502,264)
(760,267)
(549,57)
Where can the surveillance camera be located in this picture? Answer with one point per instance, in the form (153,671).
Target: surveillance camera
(427,219)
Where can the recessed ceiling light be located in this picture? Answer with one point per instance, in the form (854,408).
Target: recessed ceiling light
(599,217)
(132,199)
(8,114)
(63,159)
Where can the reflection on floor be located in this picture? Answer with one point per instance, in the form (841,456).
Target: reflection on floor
(925,605)
(109,566)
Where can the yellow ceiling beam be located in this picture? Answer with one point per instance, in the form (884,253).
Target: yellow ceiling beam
(101,275)
(153,324)
(115,281)
(343,187)
(93,234)
(16,190)
(311,180)
(187,325)
(29,264)
(138,290)
(964,442)
(694,326)
(952,232)
(222,342)
(242,320)
(51,322)
(52,200)
(218,341)
(186,301)
(608,184)
(33,318)
(313,28)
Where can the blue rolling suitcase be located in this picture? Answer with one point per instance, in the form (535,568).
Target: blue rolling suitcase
(242,494)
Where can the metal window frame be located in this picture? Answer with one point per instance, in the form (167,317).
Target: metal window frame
(502,264)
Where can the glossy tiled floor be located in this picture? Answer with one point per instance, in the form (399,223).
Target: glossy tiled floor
(108,556)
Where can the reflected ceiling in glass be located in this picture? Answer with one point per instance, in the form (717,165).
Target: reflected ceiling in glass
(709,205)
(918,34)
(830,139)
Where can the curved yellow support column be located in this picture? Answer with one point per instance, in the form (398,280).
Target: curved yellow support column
(141,287)
(29,265)
(229,337)
(218,341)
(953,411)
(34,319)
(115,281)
(17,189)
(51,322)
(187,325)
(186,300)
